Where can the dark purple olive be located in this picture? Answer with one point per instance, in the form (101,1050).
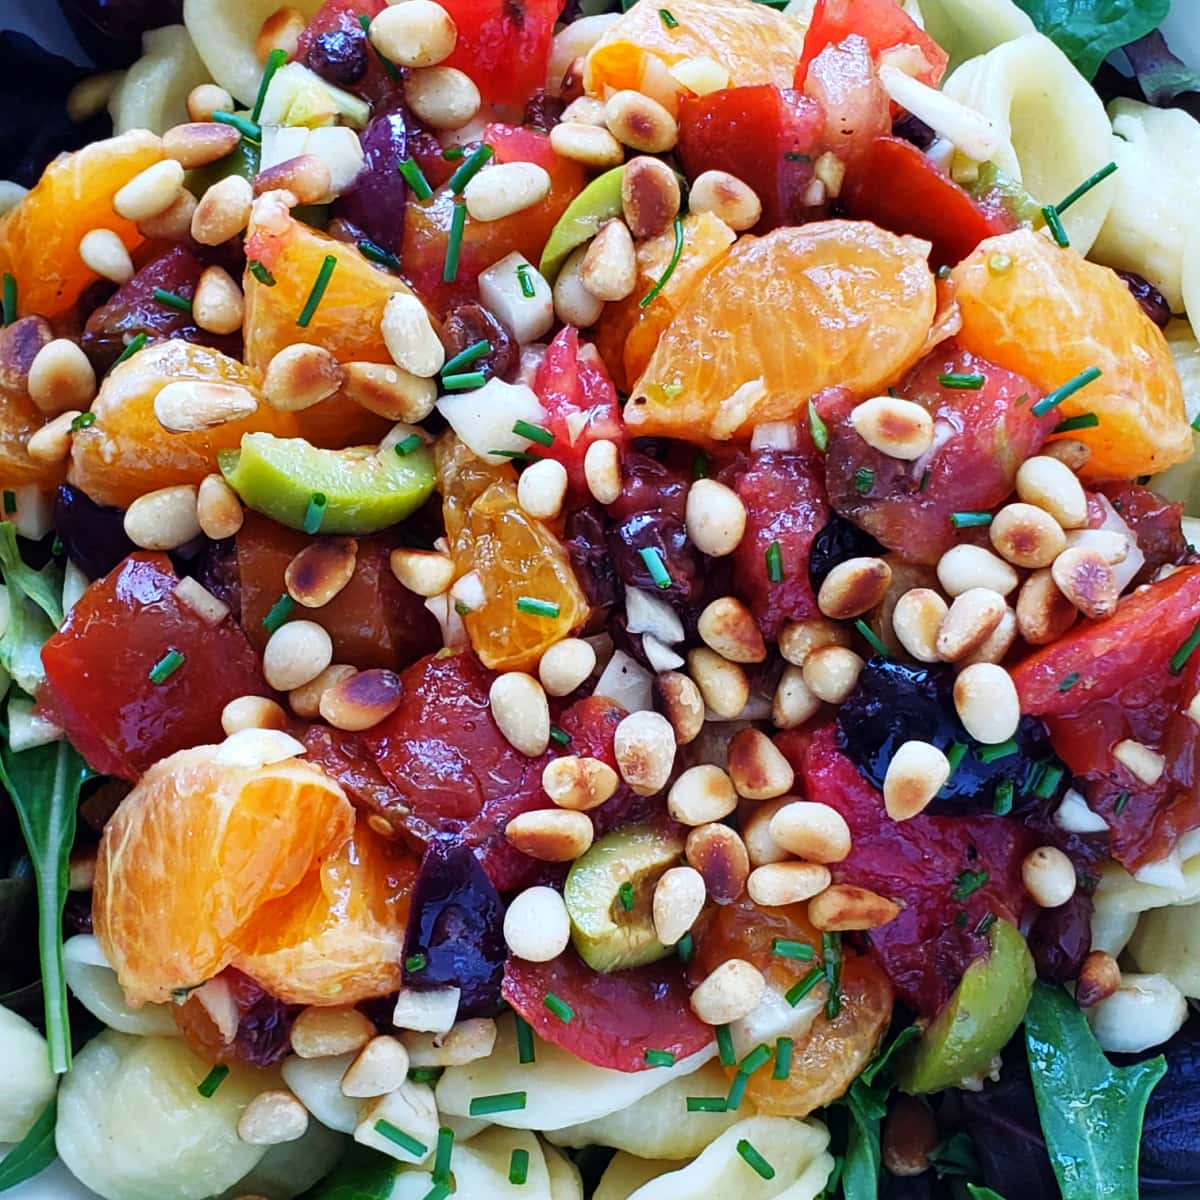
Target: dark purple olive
(375,203)
(455,929)
(1061,938)
(469,323)
(111,30)
(586,539)
(838,542)
(339,55)
(1170,1159)
(1154,303)
(93,535)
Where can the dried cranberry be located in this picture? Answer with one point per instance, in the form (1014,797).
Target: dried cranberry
(586,540)
(469,323)
(839,541)
(913,129)
(1061,938)
(77,913)
(1156,523)
(111,30)
(92,534)
(1154,303)
(542,111)
(216,568)
(265,1025)
(339,55)
(375,203)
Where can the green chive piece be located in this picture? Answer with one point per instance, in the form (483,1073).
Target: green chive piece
(458,222)
(407,445)
(318,290)
(925,478)
(955,753)
(967,520)
(416,962)
(1069,681)
(559,1008)
(470,168)
(1180,657)
(464,358)
(1085,187)
(260,273)
(818,428)
(1002,800)
(83,421)
(654,564)
(425,1074)
(535,433)
(528,290)
(800,989)
(439,1191)
(967,882)
(135,344)
(207,1087)
(1047,785)
(784,948)
(685,948)
(988,754)
(173,300)
(538,608)
(415,178)
(314,514)
(559,736)
(525,1050)
(664,15)
(783,1058)
(831,949)
(278,613)
(758,1057)
(1083,421)
(625,896)
(485,1106)
(1055,225)
(700,465)
(674,262)
(404,1140)
(441,1158)
(1119,807)
(10,502)
(390,67)
(737,1090)
(706,1104)
(1055,398)
(166,667)
(1195,423)
(8,296)
(453,153)
(985,923)
(957,381)
(755,1160)
(872,637)
(774,558)
(377,254)
(659,1058)
(250,130)
(468,381)
(725,1046)
(461,608)
(275,60)
(864,480)
(518,1167)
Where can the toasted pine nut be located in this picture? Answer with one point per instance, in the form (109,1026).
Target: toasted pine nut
(103,251)
(223,211)
(794,701)
(295,654)
(894,426)
(380,1067)
(188,405)
(536,925)
(609,268)
(505,189)
(443,97)
(199,143)
(910,1135)
(729,993)
(580,784)
(306,176)
(1140,761)
(720,855)
(321,570)
(679,897)
(644,747)
(917,772)
(701,794)
(985,699)
(649,196)
(716,517)
(1099,978)
(218,306)
(150,191)
(679,700)
(388,391)
(723,684)
(1044,614)
(1073,453)
(280,31)
(727,198)
(831,673)
(1027,536)
(174,223)
(418,33)
(917,621)
(194,595)
(970,621)
(410,338)
(845,907)
(325,1032)
(252,712)
(812,831)
(271,1119)
(798,639)
(218,509)
(565,665)
(775,884)
(520,711)
(573,303)
(758,769)
(853,587)
(300,376)
(640,122)
(1087,581)
(52,443)
(966,566)
(586,143)
(163,520)
(727,626)
(1049,876)
(61,378)
(551,834)
(207,99)
(584,110)
(1052,485)
(305,701)
(997,644)
(761,847)
(602,470)
(425,572)
(542,488)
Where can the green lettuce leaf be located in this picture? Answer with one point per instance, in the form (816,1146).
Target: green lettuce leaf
(34,603)
(1087,31)
(362,1174)
(33,1153)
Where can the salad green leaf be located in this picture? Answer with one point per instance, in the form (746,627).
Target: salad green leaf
(982,1193)
(1090,1111)
(34,603)
(1087,31)
(33,1153)
(361,1174)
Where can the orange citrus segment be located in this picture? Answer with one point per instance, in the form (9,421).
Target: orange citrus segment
(127,453)
(39,238)
(1049,314)
(778,319)
(20,418)
(194,851)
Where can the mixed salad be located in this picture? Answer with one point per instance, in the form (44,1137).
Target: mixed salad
(596,602)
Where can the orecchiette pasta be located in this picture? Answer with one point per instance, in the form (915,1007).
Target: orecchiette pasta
(565,1180)
(94,984)
(153,93)
(317,1083)
(1167,942)
(1182,483)
(26,1081)
(626,1173)
(481,1170)
(1190,275)
(288,1169)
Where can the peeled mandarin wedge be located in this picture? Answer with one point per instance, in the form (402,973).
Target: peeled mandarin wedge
(1048,314)
(192,854)
(20,418)
(778,319)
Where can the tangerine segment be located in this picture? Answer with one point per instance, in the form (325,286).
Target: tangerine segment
(338,937)
(754,43)
(126,452)
(39,238)
(194,851)
(20,418)
(782,317)
(1049,314)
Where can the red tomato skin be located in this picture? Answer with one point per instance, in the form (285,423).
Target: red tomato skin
(98,667)
(616,1018)
(335,15)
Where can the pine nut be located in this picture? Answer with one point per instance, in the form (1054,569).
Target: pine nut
(520,710)
(609,268)
(388,391)
(894,426)
(207,99)
(150,191)
(407,331)
(794,702)
(917,772)
(192,404)
(970,621)
(640,123)
(644,747)
(812,831)
(163,520)
(910,1135)
(442,97)
(844,907)
(579,784)
(917,621)
(585,111)
(295,654)
(758,770)
(602,471)
(1027,536)
(586,143)
(551,834)
(985,699)
(1044,614)
(194,595)
(218,306)
(326,1032)
(1086,579)
(701,794)
(761,847)
(306,176)
(1099,978)
(271,1119)
(729,993)
(723,684)
(997,644)
(505,189)
(573,303)
(199,143)
(720,855)
(1049,876)
(798,639)
(320,571)
(256,748)
(1070,452)
(854,587)
(252,712)
(380,1067)
(425,572)
(727,198)
(174,223)
(966,566)
(565,666)
(300,376)
(775,884)
(536,925)
(679,897)
(223,211)
(649,197)
(1144,764)
(218,509)
(61,378)
(541,489)
(728,627)
(716,517)
(103,251)
(678,698)
(280,31)
(52,443)
(1051,485)
(1112,546)
(831,673)
(305,701)
(417,33)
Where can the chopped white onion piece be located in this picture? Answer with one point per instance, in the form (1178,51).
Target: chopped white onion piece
(626,682)
(971,132)
(647,613)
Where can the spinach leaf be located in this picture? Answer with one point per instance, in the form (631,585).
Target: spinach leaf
(982,1193)
(34,602)
(33,1153)
(1090,1111)
(43,784)
(361,1174)
(1087,31)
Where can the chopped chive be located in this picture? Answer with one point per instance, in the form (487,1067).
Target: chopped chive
(318,290)
(757,1057)
(453,153)
(470,168)
(799,990)
(1195,423)
(1086,186)
(559,1008)
(518,1166)
(706,1104)
(989,754)
(278,613)
(831,950)
(674,262)
(208,1085)
(818,428)
(985,923)
(314,514)
(700,465)
(783,1058)
(755,1160)
(962,382)
(925,478)
(1056,397)
(525,1051)
(664,15)
(960,919)
(416,962)
(468,381)
(864,480)
(1049,781)
(625,896)
(1055,225)
(1069,681)
(1119,807)
(83,421)
(954,755)
(441,1158)
(654,564)
(404,1140)
(415,178)
(166,667)
(407,445)
(537,608)
(685,948)
(797,156)
(135,344)
(393,72)
(1002,800)
(485,1106)
(559,736)
(659,1058)
(8,293)
(10,501)
(526,281)
(1083,421)
(425,1074)
(464,358)
(535,433)
(275,60)
(1180,657)
(785,948)
(968,882)
(251,131)
(737,1090)
(439,1191)
(967,520)
(725,1046)
(774,558)
(173,300)
(260,272)
(458,222)
(872,637)
(377,254)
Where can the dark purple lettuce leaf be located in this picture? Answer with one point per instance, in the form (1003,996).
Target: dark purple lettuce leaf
(1163,76)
